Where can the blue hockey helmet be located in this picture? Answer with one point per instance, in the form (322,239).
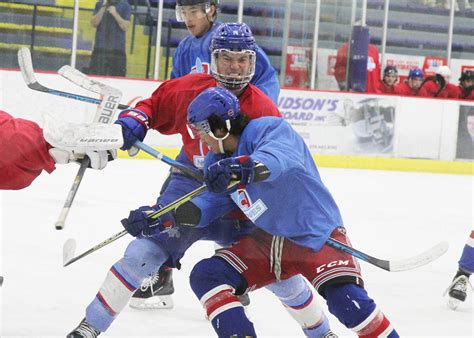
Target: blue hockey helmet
(415,73)
(214,103)
(233,42)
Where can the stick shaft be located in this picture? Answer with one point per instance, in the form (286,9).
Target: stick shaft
(72,193)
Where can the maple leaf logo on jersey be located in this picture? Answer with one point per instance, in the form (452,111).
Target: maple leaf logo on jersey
(200,67)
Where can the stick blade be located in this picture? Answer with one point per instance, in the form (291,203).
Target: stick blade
(69,248)
(424,258)
(26,65)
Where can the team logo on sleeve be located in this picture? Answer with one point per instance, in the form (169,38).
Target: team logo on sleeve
(200,67)
(253,210)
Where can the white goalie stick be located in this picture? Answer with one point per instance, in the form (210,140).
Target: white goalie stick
(104,114)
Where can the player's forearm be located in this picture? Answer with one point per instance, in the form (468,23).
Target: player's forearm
(97,18)
(123,24)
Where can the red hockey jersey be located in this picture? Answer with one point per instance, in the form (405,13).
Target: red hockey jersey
(23,152)
(167,107)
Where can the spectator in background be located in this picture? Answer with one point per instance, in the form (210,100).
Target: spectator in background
(465,144)
(412,86)
(440,86)
(112,19)
(373,68)
(388,83)
(466,85)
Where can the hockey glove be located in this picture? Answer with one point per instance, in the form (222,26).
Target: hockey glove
(98,159)
(219,174)
(134,126)
(138,221)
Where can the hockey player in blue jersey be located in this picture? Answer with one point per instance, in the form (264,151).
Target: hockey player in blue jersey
(166,111)
(281,191)
(457,291)
(193,53)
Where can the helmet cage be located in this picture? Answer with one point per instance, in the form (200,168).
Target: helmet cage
(233,81)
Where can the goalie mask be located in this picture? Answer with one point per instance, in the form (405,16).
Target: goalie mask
(213,109)
(233,55)
(196,9)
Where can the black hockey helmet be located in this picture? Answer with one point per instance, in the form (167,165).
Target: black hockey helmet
(206,5)
(467,75)
(390,70)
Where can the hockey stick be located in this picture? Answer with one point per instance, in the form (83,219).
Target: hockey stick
(70,245)
(175,164)
(394,265)
(104,114)
(59,225)
(26,67)
(84,81)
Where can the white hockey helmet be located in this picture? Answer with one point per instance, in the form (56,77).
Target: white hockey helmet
(443,71)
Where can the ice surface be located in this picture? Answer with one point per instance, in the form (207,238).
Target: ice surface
(387,214)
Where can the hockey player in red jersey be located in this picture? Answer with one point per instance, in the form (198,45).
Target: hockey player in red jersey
(412,86)
(388,83)
(442,89)
(24,153)
(466,85)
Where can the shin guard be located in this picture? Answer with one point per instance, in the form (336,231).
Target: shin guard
(214,283)
(354,308)
(300,302)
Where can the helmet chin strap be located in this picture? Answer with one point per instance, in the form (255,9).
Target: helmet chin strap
(219,141)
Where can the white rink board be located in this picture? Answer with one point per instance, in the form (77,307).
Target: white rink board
(430,124)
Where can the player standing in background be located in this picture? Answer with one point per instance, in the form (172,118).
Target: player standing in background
(24,153)
(457,291)
(232,66)
(271,162)
(412,85)
(388,83)
(466,85)
(193,53)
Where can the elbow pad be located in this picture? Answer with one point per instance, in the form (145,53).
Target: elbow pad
(187,214)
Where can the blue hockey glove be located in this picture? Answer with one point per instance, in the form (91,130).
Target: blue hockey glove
(138,222)
(219,174)
(134,126)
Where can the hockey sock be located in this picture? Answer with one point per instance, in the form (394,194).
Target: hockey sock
(354,308)
(142,257)
(466,262)
(214,281)
(300,302)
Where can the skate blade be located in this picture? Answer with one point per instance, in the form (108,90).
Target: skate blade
(453,303)
(153,303)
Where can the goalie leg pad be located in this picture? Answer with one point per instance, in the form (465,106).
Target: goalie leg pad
(354,308)
(214,282)
(142,257)
(300,302)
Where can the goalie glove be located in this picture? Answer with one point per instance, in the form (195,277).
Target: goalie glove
(98,159)
(139,222)
(242,168)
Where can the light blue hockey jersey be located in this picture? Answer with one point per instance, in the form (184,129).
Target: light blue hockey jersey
(193,56)
(293,202)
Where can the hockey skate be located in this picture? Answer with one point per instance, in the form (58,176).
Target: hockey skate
(83,330)
(330,334)
(457,291)
(155,291)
